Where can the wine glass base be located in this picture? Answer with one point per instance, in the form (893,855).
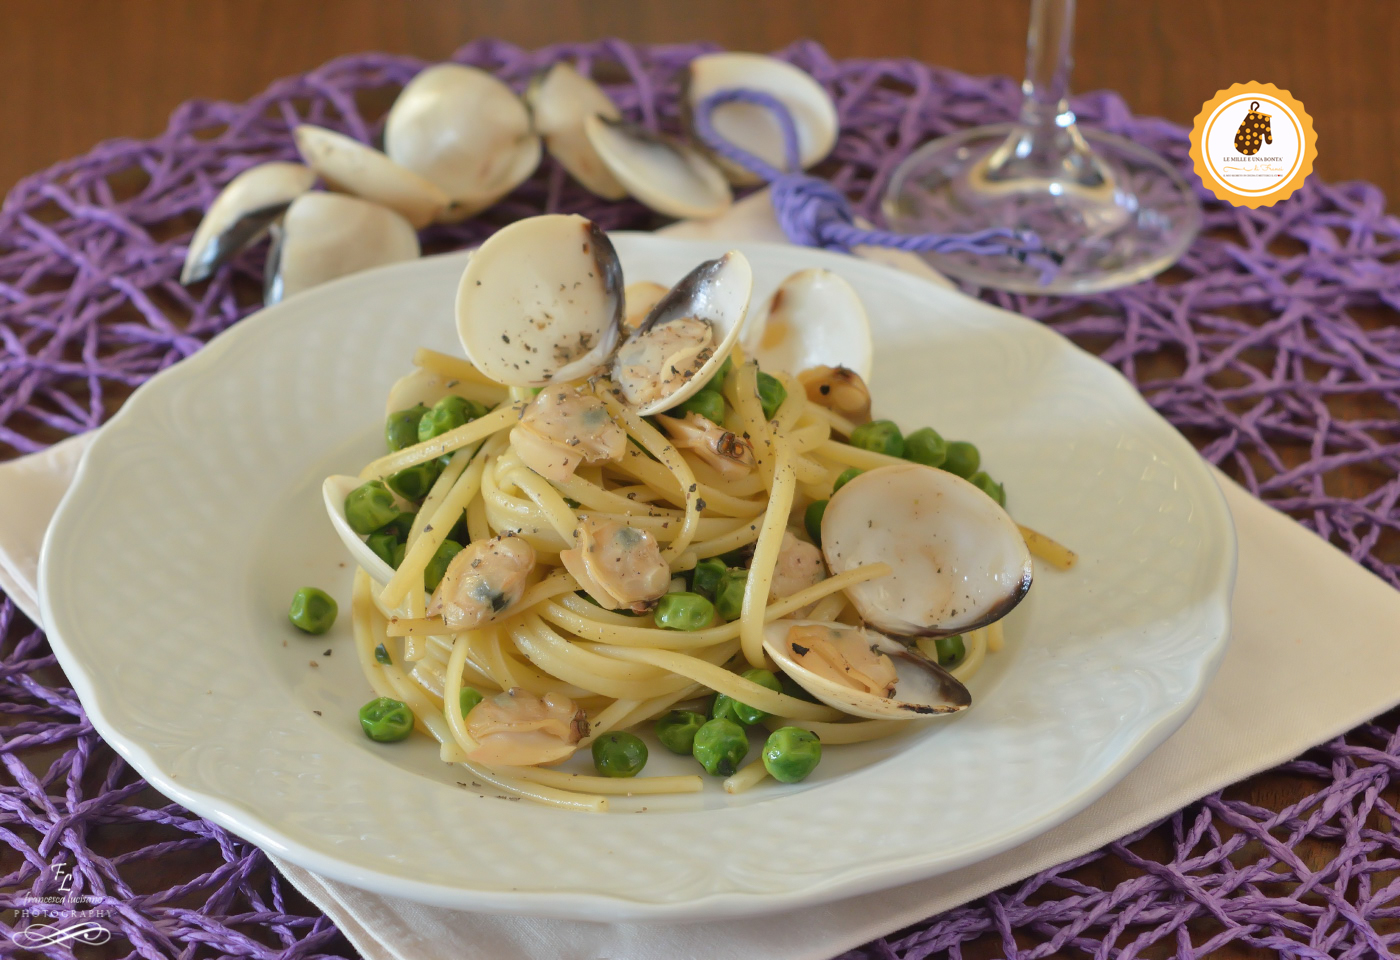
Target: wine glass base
(1130,228)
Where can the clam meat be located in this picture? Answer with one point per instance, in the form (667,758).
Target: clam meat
(518,729)
(483,581)
(564,427)
(686,336)
(617,565)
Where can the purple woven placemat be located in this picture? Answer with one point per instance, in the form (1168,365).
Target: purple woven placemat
(1273,345)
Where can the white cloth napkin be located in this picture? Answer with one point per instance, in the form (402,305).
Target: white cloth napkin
(1316,651)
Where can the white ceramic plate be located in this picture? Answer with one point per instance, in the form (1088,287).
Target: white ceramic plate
(196,514)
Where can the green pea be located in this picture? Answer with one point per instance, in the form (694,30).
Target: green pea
(812,519)
(720,746)
(771,393)
(729,595)
(951,650)
(618,754)
(313,610)
(706,576)
(385,719)
(676,730)
(381,654)
(847,475)
(401,427)
(436,567)
(716,383)
(400,549)
(683,611)
(988,486)
(468,698)
(963,459)
(449,413)
(791,754)
(402,524)
(708,403)
(926,446)
(880,436)
(369,507)
(746,714)
(415,482)
(384,545)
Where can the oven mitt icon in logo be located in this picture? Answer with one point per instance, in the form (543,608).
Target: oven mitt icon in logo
(1254,130)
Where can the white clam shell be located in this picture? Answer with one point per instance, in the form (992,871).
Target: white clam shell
(541,301)
(560,101)
(754,128)
(813,319)
(716,291)
(327,235)
(242,213)
(959,559)
(334,490)
(923,688)
(348,165)
(664,173)
(465,131)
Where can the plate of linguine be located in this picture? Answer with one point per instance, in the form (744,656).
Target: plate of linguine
(637,578)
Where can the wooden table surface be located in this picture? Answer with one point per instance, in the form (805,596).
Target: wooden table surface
(74,72)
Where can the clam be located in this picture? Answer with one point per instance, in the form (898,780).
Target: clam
(754,128)
(242,213)
(334,490)
(686,336)
(560,100)
(862,672)
(617,565)
(959,560)
(541,301)
(327,235)
(638,299)
(483,582)
(348,165)
(813,319)
(666,174)
(465,131)
(562,428)
(518,729)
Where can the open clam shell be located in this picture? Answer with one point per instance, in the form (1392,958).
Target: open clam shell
(922,688)
(541,301)
(813,319)
(242,213)
(327,235)
(334,490)
(754,128)
(666,174)
(560,100)
(348,165)
(465,131)
(959,559)
(686,336)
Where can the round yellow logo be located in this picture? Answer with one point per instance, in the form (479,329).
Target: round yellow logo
(1253,144)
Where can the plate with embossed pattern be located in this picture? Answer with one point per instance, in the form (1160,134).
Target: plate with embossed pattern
(196,513)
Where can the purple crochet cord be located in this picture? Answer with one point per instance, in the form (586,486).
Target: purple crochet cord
(1262,346)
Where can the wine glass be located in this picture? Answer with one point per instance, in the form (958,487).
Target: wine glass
(1112,212)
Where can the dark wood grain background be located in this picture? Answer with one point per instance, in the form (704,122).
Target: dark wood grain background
(74,72)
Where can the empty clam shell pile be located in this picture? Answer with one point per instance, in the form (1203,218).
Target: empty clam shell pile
(457,140)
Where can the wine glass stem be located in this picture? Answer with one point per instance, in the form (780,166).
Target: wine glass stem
(1048,65)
